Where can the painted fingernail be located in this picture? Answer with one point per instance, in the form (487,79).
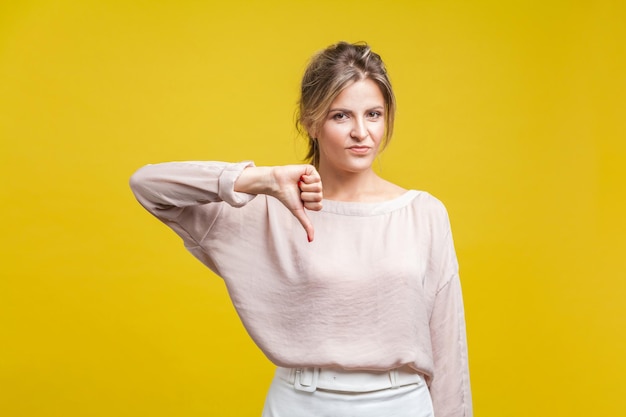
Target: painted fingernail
(309,239)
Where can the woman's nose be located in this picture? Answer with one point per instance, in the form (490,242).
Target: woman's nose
(359,130)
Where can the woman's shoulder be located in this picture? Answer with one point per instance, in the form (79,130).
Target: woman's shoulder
(389,191)
(426,204)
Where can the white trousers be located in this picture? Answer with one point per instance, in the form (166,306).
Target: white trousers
(288,398)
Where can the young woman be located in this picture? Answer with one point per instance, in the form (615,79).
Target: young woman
(365,316)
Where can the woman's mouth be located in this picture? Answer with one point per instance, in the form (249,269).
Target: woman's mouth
(359,149)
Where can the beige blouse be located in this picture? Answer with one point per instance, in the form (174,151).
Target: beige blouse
(377,289)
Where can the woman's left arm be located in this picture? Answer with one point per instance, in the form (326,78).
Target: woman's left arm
(450,386)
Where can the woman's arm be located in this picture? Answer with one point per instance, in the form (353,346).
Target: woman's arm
(167,189)
(163,188)
(450,386)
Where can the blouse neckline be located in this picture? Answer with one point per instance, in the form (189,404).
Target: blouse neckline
(349,208)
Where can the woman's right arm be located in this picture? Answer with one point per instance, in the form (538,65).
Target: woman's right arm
(167,189)
(163,189)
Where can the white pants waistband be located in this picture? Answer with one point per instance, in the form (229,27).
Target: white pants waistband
(334,379)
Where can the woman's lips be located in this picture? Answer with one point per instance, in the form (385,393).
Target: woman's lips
(359,149)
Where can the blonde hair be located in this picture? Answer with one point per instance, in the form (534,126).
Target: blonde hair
(328,73)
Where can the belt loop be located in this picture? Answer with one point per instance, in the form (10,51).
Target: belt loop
(301,385)
(393,376)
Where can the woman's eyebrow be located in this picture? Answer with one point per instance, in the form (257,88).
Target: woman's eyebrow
(341,109)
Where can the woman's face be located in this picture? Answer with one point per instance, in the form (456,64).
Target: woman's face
(350,136)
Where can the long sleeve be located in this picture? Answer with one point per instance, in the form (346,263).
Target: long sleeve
(450,386)
(175,191)
(164,186)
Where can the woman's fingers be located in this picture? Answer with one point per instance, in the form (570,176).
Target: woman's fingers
(311,200)
(314,188)
(310,186)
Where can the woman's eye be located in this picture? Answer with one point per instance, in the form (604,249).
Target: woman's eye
(339,116)
(374,114)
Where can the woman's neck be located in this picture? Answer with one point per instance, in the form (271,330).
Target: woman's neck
(363,187)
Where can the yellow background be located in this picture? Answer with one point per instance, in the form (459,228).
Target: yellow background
(511,112)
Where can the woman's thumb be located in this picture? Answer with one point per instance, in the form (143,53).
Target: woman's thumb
(305,222)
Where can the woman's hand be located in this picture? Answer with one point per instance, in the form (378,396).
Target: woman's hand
(299,187)
(296,186)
